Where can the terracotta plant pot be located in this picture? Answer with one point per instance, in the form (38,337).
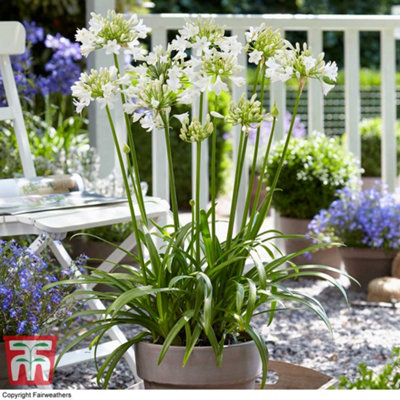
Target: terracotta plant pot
(329,257)
(240,367)
(366,264)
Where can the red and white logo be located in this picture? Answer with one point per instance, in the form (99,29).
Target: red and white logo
(30,359)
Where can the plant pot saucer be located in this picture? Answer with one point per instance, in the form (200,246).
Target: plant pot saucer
(290,376)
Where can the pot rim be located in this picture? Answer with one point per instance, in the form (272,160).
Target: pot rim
(388,252)
(201,348)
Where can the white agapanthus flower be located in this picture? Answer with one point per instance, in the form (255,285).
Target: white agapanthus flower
(263,43)
(299,63)
(112,32)
(101,86)
(255,56)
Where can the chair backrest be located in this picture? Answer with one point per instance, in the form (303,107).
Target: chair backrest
(12,42)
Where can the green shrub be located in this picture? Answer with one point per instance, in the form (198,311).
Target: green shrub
(314,169)
(389,378)
(371,134)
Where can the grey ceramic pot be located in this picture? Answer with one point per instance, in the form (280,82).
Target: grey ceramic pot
(366,264)
(296,226)
(240,367)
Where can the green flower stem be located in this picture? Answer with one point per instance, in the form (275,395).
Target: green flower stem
(235,191)
(133,157)
(266,206)
(197,192)
(213,179)
(241,150)
(128,194)
(262,173)
(174,201)
(198,230)
(255,156)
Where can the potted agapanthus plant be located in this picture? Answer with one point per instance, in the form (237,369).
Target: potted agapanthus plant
(27,310)
(193,297)
(368,224)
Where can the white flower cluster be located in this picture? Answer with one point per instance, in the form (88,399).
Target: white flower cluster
(247,113)
(101,85)
(298,63)
(167,77)
(113,33)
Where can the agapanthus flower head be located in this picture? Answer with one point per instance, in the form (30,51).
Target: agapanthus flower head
(194,131)
(247,113)
(101,85)
(221,67)
(202,32)
(263,42)
(113,33)
(298,62)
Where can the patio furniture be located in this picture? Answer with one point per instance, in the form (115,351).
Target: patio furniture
(50,227)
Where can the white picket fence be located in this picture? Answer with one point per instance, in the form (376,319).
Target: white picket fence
(314,25)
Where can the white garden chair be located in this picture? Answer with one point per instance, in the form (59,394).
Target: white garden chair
(50,227)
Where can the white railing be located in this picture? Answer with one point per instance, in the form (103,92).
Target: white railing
(314,25)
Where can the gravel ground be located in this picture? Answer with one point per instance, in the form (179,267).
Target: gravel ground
(361,333)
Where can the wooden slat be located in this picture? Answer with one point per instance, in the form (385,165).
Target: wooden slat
(352,90)
(315,95)
(388,103)
(6,113)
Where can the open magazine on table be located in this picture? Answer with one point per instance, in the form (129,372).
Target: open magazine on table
(26,195)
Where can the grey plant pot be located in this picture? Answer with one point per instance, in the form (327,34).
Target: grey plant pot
(329,257)
(366,264)
(240,367)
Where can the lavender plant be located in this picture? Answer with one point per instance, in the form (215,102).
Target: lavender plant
(369,218)
(26,308)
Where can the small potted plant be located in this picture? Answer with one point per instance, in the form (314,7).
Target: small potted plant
(368,224)
(314,169)
(371,138)
(192,296)
(26,308)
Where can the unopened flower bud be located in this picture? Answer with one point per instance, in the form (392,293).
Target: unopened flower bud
(126,149)
(274,111)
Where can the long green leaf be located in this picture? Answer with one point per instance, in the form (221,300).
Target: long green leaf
(187,315)
(263,351)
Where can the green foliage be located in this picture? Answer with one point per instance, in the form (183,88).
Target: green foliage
(46,142)
(178,301)
(371,136)
(314,169)
(389,378)
(55,15)
(182,155)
